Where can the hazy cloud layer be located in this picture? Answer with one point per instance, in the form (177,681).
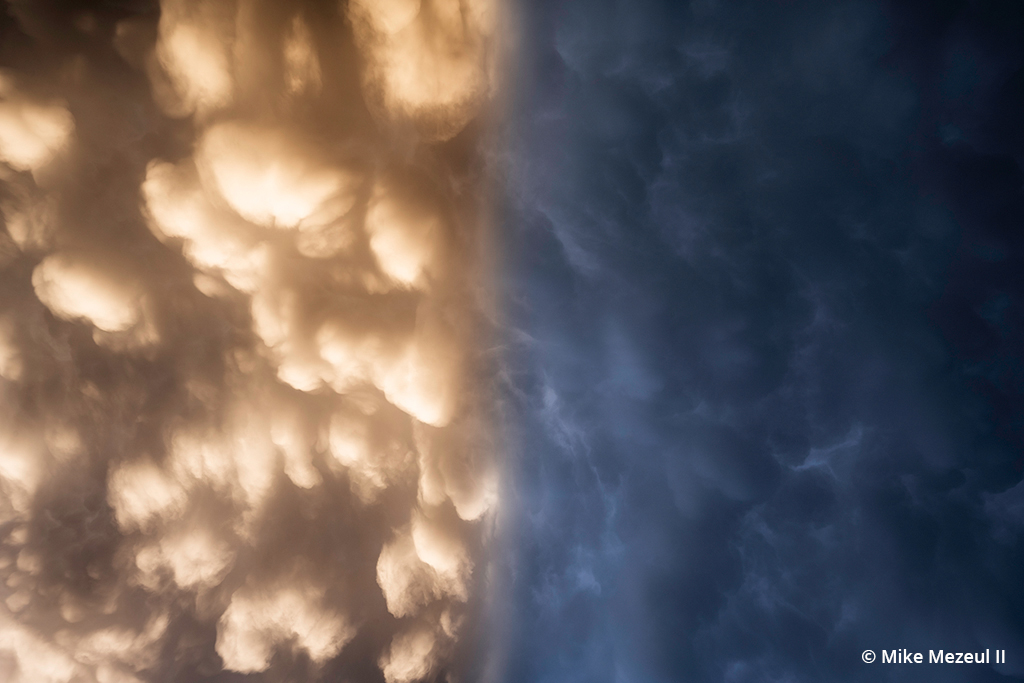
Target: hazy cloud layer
(247,430)
(766,321)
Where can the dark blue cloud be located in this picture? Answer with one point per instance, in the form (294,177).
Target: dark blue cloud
(766,330)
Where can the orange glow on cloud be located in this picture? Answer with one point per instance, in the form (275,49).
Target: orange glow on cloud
(245,353)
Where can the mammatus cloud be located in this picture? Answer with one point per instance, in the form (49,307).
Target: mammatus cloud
(246,424)
(32,133)
(428,61)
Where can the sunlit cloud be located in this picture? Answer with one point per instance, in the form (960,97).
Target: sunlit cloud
(243,365)
(427,60)
(32,133)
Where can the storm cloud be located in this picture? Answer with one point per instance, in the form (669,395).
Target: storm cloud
(527,341)
(765,321)
(247,429)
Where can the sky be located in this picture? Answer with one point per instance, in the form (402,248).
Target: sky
(513,341)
